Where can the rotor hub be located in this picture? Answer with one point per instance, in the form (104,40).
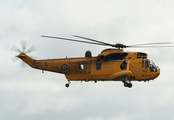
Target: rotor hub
(120,45)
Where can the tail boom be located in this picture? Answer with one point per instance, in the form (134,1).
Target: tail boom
(53,65)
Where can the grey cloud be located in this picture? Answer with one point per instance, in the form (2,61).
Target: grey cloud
(29,94)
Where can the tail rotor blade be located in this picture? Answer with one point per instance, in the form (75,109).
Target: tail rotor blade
(14,59)
(31,49)
(24,46)
(23,64)
(23,43)
(14,48)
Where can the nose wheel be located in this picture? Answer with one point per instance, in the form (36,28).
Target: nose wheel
(67,84)
(127,84)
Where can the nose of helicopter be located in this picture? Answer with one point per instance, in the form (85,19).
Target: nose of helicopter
(158,72)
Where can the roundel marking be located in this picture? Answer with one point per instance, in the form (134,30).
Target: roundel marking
(64,67)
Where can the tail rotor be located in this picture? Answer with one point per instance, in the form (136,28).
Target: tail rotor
(24,46)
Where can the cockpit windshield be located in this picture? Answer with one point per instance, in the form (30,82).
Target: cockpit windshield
(148,63)
(153,67)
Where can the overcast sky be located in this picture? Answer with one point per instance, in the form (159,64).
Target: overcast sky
(29,94)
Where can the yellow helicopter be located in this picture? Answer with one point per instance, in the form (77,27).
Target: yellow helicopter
(112,64)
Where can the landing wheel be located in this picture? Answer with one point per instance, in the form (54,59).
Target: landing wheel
(129,85)
(126,84)
(67,85)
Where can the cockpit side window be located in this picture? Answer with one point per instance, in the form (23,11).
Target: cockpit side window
(144,64)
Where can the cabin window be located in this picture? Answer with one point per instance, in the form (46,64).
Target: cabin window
(116,56)
(98,66)
(141,55)
(81,66)
(123,66)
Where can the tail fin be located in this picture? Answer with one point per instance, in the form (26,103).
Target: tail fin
(27,59)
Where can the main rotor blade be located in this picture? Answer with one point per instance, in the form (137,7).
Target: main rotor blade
(67,39)
(31,49)
(23,43)
(147,46)
(94,40)
(14,48)
(150,44)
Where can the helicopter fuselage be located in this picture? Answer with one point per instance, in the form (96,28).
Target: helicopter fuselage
(109,65)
